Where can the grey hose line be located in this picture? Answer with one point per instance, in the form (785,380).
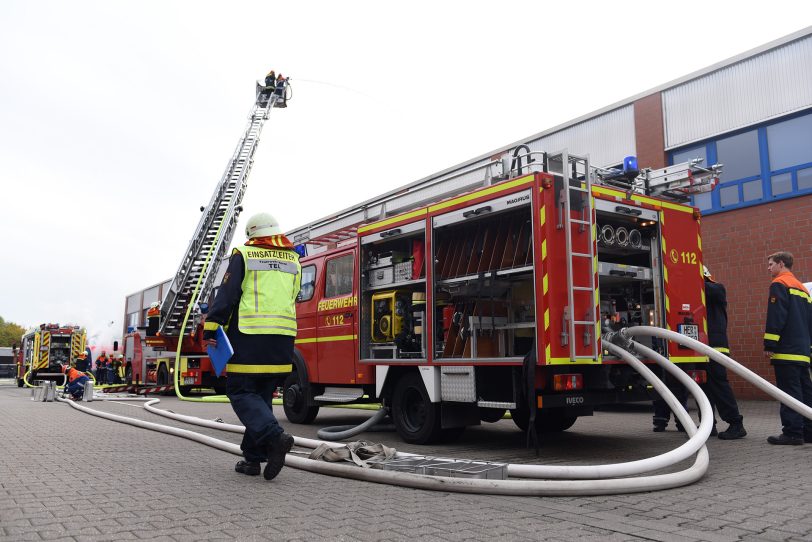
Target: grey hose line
(726,362)
(341,432)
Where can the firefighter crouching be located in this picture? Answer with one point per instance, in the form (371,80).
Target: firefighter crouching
(256,303)
(74,381)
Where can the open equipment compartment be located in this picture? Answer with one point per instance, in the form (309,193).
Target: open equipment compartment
(393,293)
(484,300)
(629,279)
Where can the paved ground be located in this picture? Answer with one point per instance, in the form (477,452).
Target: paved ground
(66,475)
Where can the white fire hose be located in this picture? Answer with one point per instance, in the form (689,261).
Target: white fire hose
(559,480)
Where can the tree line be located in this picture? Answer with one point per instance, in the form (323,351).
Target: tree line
(10,333)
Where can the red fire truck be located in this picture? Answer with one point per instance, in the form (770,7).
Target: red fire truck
(453,310)
(44,349)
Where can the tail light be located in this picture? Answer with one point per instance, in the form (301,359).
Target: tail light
(568,382)
(700,376)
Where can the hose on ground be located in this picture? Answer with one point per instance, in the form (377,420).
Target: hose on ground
(342,432)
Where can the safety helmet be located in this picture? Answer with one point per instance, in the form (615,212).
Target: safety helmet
(154,305)
(262,225)
(65,368)
(706,272)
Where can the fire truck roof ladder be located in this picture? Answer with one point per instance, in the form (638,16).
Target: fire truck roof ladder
(577,185)
(215,230)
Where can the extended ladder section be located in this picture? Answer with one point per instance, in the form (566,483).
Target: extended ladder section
(215,230)
(576,195)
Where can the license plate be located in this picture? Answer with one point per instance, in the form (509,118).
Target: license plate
(689,330)
(188,380)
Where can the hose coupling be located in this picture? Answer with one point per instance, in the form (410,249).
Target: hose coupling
(619,338)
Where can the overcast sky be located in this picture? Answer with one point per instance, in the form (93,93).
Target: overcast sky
(118,118)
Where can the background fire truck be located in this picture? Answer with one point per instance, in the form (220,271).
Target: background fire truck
(45,349)
(465,304)
(152,344)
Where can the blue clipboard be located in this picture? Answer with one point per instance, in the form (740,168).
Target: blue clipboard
(220,354)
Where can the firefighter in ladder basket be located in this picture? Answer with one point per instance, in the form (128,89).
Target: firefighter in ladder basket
(256,304)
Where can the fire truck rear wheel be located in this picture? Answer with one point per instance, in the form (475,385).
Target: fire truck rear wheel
(295,403)
(416,418)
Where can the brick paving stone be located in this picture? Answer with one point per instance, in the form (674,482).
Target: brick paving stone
(159,486)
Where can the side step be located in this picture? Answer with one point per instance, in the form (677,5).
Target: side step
(340,395)
(496,404)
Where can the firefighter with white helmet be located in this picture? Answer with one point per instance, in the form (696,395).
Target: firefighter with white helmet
(256,306)
(153,318)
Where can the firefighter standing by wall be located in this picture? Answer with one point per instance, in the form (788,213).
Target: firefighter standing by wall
(256,303)
(718,387)
(787,342)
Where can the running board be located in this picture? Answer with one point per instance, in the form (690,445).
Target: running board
(495,404)
(340,395)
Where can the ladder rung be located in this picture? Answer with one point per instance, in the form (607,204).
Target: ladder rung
(579,221)
(582,255)
(584,322)
(582,288)
(578,189)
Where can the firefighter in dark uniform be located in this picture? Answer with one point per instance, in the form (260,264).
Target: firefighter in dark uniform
(256,303)
(787,342)
(718,387)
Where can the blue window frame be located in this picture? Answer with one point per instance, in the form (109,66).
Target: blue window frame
(765,163)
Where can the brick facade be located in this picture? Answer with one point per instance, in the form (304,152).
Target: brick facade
(648,132)
(735,246)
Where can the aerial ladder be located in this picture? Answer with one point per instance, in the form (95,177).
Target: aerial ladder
(215,230)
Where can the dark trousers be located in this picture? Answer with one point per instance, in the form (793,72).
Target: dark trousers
(794,380)
(720,394)
(662,412)
(251,398)
(101,374)
(77,387)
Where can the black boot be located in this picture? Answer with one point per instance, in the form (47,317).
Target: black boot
(736,430)
(251,468)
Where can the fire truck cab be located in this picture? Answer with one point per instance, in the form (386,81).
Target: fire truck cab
(496,299)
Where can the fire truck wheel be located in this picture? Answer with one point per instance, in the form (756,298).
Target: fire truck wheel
(416,418)
(491,415)
(295,403)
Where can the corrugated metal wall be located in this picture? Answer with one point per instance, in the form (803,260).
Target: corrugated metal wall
(772,84)
(607,139)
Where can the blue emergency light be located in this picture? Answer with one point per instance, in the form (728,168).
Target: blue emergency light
(630,165)
(301,250)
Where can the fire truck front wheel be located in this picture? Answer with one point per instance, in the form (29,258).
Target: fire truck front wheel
(416,418)
(294,401)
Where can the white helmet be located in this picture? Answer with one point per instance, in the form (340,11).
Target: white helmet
(262,225)
(706,272)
